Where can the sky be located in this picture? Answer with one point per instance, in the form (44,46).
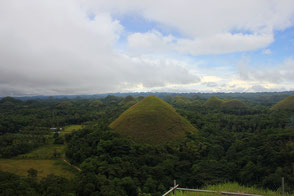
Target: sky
(66,47)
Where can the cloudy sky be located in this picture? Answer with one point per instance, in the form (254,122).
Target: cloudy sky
(88,47)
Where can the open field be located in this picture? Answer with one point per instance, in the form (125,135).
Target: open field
(44,167)
(229,187)
(50,151)
(45,159)
(70,128)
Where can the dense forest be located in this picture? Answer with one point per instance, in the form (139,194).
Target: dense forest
(239,138)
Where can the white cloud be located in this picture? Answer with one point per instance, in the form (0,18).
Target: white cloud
(152,41)
(214,44)
(277,74)
(224,43)
(198,18)
(210,27)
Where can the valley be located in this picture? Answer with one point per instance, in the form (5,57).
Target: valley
(136,145)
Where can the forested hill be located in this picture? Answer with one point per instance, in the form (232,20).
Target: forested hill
(251,145)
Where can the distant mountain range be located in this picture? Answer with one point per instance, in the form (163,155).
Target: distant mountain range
(161,94)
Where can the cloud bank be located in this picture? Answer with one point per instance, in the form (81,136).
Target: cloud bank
(52,47)
(71,46)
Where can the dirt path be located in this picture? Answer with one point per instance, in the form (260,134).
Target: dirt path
(77,168)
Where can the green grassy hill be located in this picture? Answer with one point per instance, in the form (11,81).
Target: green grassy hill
(234,103)
(152,121)
(44,167)
(230,187)
(285,104)
(230,103)
(128,101)
(214,102)
(181,101)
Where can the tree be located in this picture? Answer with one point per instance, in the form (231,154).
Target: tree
(59,140)
(32,173)
(55,135)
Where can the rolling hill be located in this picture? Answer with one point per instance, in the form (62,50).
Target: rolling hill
(234,103)
(152,121)
(230,103)
(128,101)
(285,104)
(214,102)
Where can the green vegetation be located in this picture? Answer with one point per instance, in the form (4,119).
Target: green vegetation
(44,167)
(11,184)
(230,187)
(51,151)
(234,103)
(69,129)
(46,159)
(206,157)
(181,101)
(214,102)
(186,193)
(127,99)
(152,121)
(235,187)
(96,104)
(228,103)
(250,145)
(285,104)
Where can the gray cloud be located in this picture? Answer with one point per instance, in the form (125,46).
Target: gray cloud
(277,74)
(258,88)
(51,47)
(210,84)
(213,44)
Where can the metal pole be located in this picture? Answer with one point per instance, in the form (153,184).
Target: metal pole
(283,186)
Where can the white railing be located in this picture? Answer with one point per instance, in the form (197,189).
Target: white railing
(176,187)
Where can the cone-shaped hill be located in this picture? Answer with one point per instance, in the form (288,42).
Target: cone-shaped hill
(214,102)
(234,103)
(152,121)
(230,103)
(128,101)
(285,104)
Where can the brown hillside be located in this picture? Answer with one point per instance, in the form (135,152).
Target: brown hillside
(285,104)
(152,121)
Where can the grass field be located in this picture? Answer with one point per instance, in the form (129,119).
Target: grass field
(70,128)
(44,167)
(46,159)
(48,151)
(230,187)
(44,152)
